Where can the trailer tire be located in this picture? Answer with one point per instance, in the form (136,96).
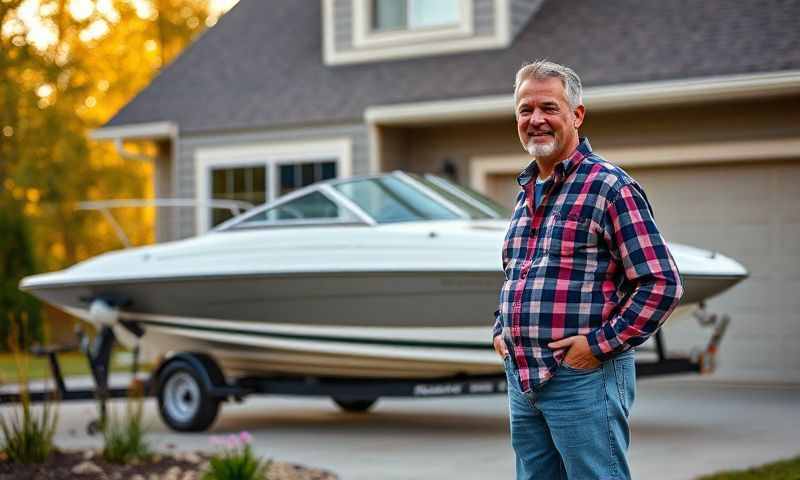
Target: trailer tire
(355,406)
(184,402)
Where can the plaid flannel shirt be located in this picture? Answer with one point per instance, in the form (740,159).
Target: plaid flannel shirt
(589,260)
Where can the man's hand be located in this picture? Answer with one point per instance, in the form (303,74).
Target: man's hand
(579,355)
(500,346)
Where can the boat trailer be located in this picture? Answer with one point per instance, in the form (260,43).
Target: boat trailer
(190,386)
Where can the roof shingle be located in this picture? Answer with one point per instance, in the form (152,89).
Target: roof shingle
(261,65)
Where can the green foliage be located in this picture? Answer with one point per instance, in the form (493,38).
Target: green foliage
(27,432)
(28,435)
(237,461)
(125,436)
(784,470)
(18,311)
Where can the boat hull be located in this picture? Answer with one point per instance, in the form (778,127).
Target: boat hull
(389,325)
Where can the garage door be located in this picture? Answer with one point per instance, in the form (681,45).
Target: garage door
(750,212)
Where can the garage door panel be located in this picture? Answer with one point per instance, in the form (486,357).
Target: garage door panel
(750,213)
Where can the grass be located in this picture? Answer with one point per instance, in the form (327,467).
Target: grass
(783,470)
(72,363)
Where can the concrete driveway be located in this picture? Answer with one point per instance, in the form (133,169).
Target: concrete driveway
(681,429)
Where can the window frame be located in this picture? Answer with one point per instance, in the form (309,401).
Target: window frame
(365,36)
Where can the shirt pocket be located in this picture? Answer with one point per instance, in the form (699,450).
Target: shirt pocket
(570,235)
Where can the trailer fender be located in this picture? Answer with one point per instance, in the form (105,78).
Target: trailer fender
(206,367)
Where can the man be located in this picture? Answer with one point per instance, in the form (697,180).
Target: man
(588,277)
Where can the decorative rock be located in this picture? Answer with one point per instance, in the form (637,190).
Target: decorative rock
(86,468)
(189,475)
(153,476)
(192,457)
(88,454)
(138,477)
(116,476)
(172,473)
(155,458)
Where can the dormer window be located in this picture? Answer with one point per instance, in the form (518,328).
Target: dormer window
(393,15)
(357,31)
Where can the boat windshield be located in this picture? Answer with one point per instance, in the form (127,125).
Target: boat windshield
(472,202)
(389,199)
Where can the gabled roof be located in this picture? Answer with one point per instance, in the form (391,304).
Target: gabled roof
(261,65)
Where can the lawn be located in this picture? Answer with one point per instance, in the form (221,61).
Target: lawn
(783,470)
(72,363)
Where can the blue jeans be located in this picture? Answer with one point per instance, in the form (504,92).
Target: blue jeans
(575,426)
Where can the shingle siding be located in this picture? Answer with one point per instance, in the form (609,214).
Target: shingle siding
(521,13)
(343,25)
(188,146)
(483,13)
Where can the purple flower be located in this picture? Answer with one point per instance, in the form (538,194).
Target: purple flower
(232,442)
(217,441)
(245,437)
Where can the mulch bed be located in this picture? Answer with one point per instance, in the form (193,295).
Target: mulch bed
(89,465)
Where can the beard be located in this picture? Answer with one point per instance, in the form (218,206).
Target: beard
(538,150)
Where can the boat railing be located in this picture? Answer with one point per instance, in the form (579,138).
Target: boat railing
(105,206)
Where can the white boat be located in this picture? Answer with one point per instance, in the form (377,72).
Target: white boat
(387,276)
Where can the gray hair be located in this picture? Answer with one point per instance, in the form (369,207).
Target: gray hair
(541,69)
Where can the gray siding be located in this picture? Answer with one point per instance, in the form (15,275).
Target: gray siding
(483,17)
(521,13)
(187,146)
(483,13)
(343,24)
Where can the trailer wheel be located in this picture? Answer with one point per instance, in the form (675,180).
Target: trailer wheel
(183,399)
(355,406)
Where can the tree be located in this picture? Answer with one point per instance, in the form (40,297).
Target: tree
(19,312)
(64,71)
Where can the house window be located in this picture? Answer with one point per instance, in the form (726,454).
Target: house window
(248,184)
(261,172)
(297,175)
(414,14)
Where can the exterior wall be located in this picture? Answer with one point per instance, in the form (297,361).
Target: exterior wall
(521,12)
(483,12)
(343,25)
(664,129)
(188,145)
(164,187)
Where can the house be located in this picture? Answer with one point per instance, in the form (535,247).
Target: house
(697,99)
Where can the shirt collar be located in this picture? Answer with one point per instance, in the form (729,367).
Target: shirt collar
(562,169)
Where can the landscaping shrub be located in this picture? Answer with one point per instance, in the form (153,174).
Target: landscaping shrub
(28,432)
(124,435)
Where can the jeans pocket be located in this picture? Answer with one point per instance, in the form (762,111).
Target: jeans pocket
(580,371)
(625,372)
